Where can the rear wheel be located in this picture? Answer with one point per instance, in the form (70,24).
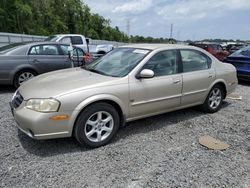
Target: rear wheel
(96,125)
(23,76)
(214,99)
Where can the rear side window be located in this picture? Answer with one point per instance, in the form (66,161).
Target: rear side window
(44,50)
(76,51)
(66,40)
(76,40)
(193,60)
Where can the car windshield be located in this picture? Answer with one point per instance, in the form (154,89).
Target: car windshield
(118,63)
(242,52)
(52,38)
(10,47)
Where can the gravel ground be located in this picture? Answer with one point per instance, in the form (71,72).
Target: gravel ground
(162,151)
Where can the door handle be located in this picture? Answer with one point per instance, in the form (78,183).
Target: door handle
(35,61)
(210,75)
(176,81)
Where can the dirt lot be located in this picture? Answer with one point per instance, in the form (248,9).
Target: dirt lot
(161,151)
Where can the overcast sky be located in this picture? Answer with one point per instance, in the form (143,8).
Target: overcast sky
(192,19)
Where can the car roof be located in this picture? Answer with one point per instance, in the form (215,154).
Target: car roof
(158,46)
(67,35)
(44,42)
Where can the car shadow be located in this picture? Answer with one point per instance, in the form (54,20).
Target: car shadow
(7,89)
(46,148)
(160,121)
(244,82)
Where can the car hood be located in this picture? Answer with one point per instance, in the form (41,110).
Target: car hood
(58,83)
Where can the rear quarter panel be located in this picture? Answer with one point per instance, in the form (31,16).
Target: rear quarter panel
(226,73)
(9,65)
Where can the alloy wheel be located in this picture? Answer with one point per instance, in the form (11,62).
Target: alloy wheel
(24,77)
(99,126)
(215,98)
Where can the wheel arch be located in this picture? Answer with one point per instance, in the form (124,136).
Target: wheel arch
(222,83)
(22,68)
(109,99)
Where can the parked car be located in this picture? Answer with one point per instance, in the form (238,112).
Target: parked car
(83,43)
(129,83)
(22,61)
(215,49)
(241,60)
(231,48)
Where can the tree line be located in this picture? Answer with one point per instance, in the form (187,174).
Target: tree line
(47,17)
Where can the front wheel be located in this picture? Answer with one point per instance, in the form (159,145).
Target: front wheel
(214,99)
(96,125)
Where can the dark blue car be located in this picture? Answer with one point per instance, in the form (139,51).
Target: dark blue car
(241,60)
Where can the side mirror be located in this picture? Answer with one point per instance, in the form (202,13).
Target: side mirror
(146,73)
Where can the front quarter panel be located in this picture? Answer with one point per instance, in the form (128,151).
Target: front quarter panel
(73,103)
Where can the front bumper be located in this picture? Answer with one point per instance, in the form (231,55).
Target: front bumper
(38,125)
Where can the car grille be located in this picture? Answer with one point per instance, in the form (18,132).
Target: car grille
(17,100)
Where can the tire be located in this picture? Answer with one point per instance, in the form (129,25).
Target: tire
(214,99)
(96,125)
(23,76)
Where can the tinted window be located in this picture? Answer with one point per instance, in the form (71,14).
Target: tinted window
(194,60)
(76,51)
(44,50)
(163,63)
(76,40)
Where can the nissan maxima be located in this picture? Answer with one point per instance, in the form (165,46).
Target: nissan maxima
(131,82)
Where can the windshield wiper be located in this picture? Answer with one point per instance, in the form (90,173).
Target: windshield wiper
(96,71)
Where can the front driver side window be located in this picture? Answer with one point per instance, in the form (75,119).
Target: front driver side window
(163,63)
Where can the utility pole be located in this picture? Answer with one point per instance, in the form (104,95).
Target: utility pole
(171,31)
(128,27)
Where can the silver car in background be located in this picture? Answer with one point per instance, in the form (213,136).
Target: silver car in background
(22,61)
(129,83)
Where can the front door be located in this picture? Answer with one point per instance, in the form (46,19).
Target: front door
(150,96)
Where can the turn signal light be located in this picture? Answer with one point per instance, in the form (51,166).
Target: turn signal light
(59,117)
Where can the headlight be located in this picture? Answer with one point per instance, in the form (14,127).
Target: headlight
(43,105)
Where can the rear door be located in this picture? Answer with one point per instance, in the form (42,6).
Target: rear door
(197,76)
(47,57)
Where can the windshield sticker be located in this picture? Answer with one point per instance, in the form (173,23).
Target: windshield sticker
(138,51)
